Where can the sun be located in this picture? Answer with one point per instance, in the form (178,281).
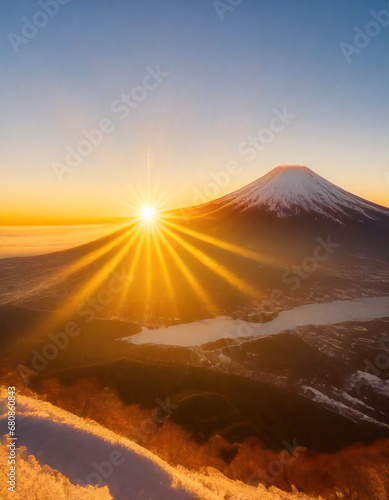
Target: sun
(148,214)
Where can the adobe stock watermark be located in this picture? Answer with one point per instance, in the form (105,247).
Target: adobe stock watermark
(297,274)
(38,21)
(161,412)
(249,148)
(103,470)
(120,108)
(222,7)
(59,341)
(292,277)
(276,467)
(309,265)
(363,36)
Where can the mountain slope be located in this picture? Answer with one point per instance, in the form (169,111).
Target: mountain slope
(292,190)
(281,218)
(87,453)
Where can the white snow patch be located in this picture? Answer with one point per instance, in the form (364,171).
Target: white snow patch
(360,379)
(224,358)
(341,408)
(354,401)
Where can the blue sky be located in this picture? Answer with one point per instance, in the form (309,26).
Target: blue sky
(225,78)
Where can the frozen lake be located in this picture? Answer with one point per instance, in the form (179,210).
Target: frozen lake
(210,330)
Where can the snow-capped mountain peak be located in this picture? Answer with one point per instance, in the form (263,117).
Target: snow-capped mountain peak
(289,190)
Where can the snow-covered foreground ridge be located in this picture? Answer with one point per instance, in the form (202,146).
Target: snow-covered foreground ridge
(211,330)
(78,448)
(289,190)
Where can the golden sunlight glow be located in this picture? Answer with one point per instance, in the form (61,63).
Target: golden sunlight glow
(163,262)
(148,213)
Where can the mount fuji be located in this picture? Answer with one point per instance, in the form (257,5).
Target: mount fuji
(294,190)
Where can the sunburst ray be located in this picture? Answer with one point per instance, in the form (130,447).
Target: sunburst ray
(224,245)
(214,266)
(204,297)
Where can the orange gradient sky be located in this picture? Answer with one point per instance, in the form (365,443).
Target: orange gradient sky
(218,85)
